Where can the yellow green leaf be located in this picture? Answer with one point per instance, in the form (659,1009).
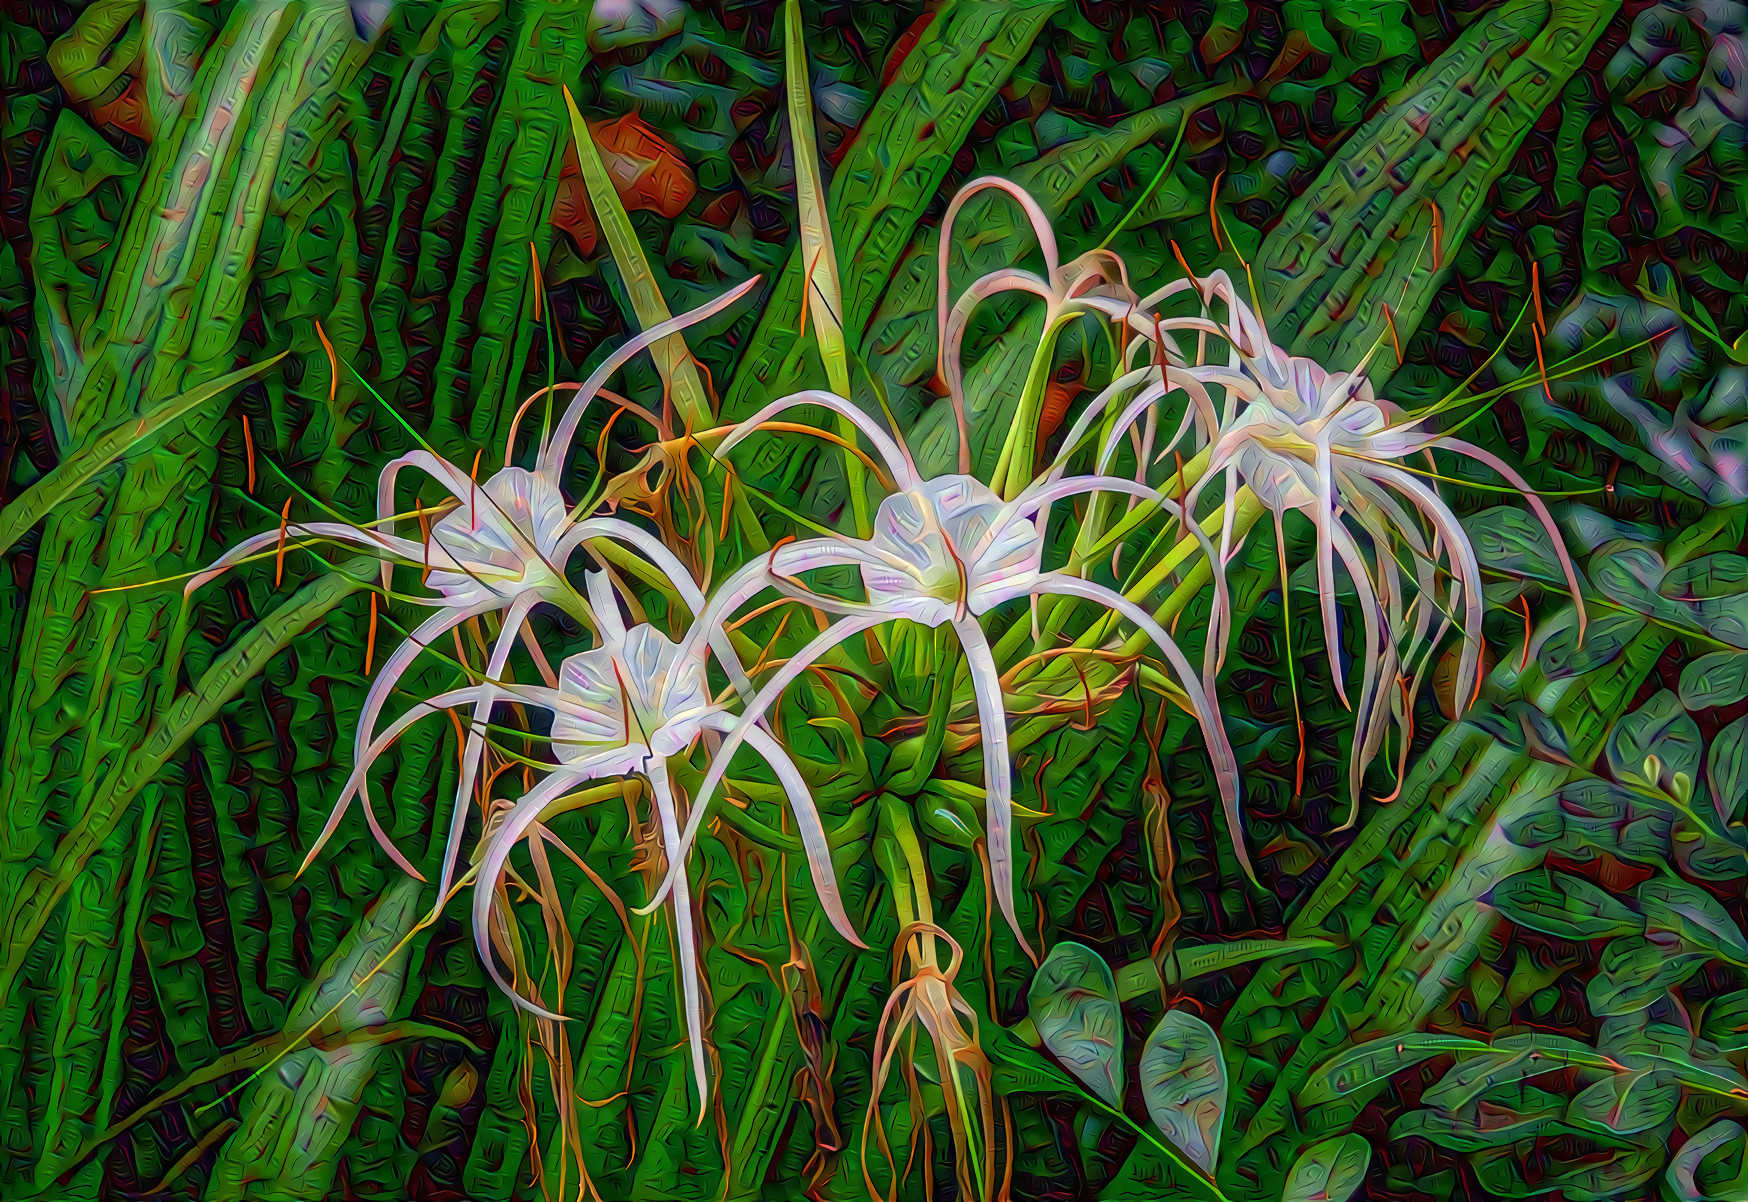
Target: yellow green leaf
(679,371)
(825,301)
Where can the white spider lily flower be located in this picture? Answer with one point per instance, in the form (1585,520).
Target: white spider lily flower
(1320,442)
(505,545)
(620,709)
(943,550)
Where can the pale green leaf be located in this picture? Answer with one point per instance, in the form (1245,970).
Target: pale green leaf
(1329,1171)
(1183,1079)
(1073,1003)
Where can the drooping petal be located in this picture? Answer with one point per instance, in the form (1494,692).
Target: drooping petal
(837,632)
(1323,519)
(998,781)
(897,457)
(685,942)
(1213,730)
(1356,568)
(1536,503)
(1153,387)
(366,756)
(551,461)
(1463,562)
(810,829)
(453,480)
(952,332)
(514,617)
(399,660)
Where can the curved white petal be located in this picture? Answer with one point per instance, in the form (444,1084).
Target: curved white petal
(810,830)
(837,632)
(551,460)
(491,874)
(1213,730)
(897,457)
(514,617)
(997,769)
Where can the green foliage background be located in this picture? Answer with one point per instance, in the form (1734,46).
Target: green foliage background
(193,186)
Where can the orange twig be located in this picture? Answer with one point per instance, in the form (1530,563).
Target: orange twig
(370,639)
(333,363)
(1213,220)
(1523,597)
(539,282)
(279,568)
(249,448)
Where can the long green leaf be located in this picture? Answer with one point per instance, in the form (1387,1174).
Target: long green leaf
(825,298)
(77,469)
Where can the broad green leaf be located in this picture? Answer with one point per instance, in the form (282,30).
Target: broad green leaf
(1712,1166)
(679,371)
(1379,1060)
(1512,1059)
(1503,1173)
(1188,963)
(1073,1003)
(1697,918)
(1725,1021)
(1183,1079)
(1626,1103)
(1329,1171)
(1509,539)
(1605,638)
(1727,770)
(77,469)
(1561,904)
(1515,1111)
(1720,678)
(1714,590)
(1018,1068)
(1659,728)
(30,910)
(1636,972)
(819,262)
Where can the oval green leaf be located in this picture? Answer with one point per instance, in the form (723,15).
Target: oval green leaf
(1563,905)
(1727,770)
(1661,728)
(1330,1171)
(1625,1103)
(1379,1060)
(1694,916)
(1183,1079)
(1691,1179)
(1717,679)
(1636,972)
(1073,1003)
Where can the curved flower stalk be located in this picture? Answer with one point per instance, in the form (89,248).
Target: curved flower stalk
(943,550)
(502,545)
(620,709)
(1304,438)
(1094,282)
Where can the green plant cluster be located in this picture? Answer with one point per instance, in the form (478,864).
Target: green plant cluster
(254,251)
